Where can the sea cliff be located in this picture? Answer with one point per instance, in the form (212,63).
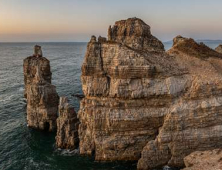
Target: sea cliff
(141,103)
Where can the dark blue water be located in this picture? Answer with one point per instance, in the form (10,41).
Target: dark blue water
(22,148)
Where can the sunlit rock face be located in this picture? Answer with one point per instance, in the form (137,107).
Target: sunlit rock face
(219,49)
(199,160)
(194,118)
(134,33)
(30,68)
(67,126)
(129,84)
(42,98)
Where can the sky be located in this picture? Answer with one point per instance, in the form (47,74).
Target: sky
(77,20)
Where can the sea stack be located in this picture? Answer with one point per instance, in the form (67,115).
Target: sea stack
(142,103)
(129,84)
(67,126)
(42,98)
(219,49)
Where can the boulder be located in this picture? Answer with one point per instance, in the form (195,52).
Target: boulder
(208,160)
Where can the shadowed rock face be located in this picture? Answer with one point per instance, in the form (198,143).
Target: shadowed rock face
(134,33)
(219,49)
(42,98)
(67,126)
(209,160)
(127,91)
(193,121)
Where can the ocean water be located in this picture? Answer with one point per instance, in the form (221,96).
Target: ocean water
(22,148)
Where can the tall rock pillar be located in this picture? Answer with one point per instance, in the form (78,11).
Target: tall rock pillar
(42,98)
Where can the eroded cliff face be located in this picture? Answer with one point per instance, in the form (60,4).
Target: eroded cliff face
(208,160)
(129,84)
(42,98)
(193,121)
(67,126)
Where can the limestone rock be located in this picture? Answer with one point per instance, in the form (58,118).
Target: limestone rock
(134,33)
(128,83)
(37,51)
(207,160)
(143,103)
(42,98)
(30,66)
(189,47)
(67,126)
(193,120)
(101,39)
(219,49)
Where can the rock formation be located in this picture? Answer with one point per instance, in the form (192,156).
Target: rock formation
(67,126)
(134,33)
(219,49)
(144,103)
(42,98)
(208,160)
(30,66)
(129,83)
(192,121)
(189,47)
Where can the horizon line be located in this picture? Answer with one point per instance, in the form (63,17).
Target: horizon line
(88,41)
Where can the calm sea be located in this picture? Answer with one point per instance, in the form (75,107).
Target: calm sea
(22,148)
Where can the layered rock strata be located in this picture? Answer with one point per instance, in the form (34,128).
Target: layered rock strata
(42,98)
(30,68)
(208,160)
(129,83)
(193,119)
(134,33)
(219,49)
(67,126)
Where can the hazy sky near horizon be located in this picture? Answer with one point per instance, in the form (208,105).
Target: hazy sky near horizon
(77,20)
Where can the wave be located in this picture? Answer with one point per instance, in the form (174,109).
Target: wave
(21,89)
(67,152)
(6,98)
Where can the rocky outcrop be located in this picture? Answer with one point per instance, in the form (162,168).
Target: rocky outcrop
(30,66)
(143,103)
(189,47)
(67,126)
(193,119)
(208,160)
(42,98)
(219,49)
(134,33)
(129,83)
